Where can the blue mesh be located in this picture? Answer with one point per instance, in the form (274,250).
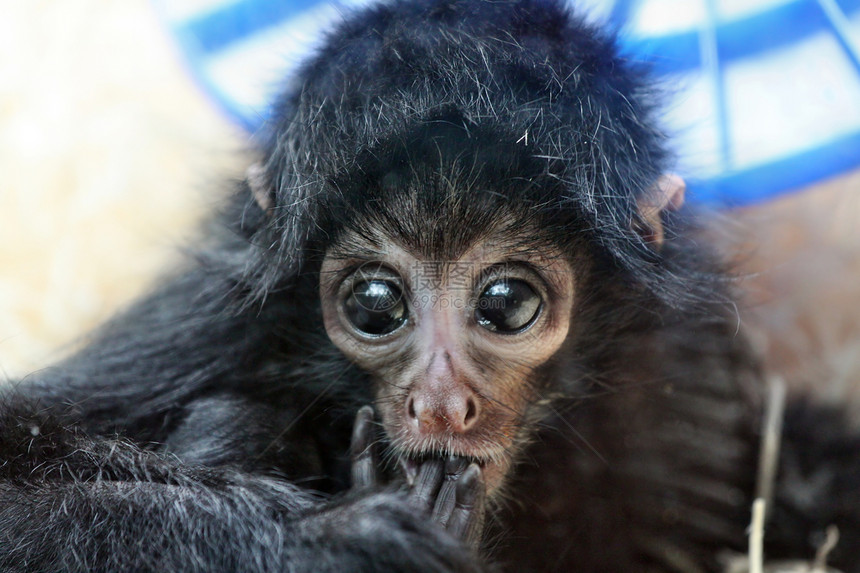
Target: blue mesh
(764,95)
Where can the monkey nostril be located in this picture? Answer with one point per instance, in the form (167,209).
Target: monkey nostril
(471,413)
(410,408)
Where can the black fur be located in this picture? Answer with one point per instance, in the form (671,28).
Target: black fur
(207,427)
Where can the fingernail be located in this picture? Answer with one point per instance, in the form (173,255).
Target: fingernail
(455,465)
(468,485)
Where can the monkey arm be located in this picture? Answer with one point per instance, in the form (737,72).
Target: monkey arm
(171,346)
(68,502)
(181,370)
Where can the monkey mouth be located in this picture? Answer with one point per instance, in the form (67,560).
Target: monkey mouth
(494,466)
(464,460)
(483,456)
(478,449)
(493,456)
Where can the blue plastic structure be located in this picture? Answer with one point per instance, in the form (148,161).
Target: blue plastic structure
(764,94)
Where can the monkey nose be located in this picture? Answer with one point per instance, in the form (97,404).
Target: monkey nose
(455,412)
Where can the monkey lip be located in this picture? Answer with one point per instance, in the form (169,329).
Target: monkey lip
(493,456)
(451,458)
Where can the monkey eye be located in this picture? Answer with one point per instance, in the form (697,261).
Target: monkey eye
(507,306)
(375,307)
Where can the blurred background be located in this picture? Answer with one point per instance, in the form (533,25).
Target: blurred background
(123,123)
(109,154)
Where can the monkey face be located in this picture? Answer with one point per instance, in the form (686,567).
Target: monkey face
(452,346)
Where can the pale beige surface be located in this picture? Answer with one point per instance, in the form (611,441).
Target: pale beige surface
(802,287)
(108,154)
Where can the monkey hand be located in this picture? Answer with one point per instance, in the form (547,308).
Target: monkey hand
(380,531)
(451,490)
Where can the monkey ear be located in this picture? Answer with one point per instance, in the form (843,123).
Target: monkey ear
(666,194)
(257,180)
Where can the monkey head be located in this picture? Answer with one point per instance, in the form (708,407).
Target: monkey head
(455,191)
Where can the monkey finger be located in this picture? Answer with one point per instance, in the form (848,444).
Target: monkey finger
(467,517)
(445,501)
(427,484)
(364,470)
